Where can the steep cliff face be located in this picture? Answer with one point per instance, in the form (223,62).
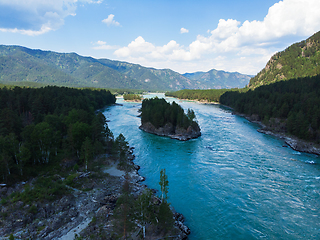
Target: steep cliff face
(175,133)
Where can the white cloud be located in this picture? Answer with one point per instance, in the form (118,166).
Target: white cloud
(183,30)
(232,46)
(35,17)
(101,45)
(110,21)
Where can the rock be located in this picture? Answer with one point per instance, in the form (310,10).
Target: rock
(136,167)
(3,191)
(179,217)
(183,227)
(175,133)
(83,175)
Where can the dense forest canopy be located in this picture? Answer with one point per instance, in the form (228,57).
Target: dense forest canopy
(210,95)
(296,102)
(131,97)
(159,112)
(299,60)
(42,126)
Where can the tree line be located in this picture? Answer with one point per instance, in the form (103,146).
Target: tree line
(130,96)
(295,102)
(42,127)
(159,112)
(154,217)
(209,95)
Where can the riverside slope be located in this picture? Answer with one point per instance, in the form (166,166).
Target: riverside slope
(80,213)
(277,131)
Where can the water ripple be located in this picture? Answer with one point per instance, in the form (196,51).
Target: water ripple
(232,182)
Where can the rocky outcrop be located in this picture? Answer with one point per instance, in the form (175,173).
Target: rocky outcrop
(293,142)
(277,128)
(81,212)
(169,130)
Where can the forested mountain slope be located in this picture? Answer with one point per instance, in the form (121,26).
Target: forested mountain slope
(68,69)
(215,79)
(299,60)
(20,64)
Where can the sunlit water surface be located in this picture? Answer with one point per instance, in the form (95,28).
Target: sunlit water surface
(232,182)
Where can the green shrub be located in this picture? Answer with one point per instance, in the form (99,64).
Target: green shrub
(33,209)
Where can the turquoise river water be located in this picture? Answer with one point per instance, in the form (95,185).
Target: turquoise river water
(232,182)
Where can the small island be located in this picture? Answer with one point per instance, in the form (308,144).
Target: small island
(132,97)
(164,119)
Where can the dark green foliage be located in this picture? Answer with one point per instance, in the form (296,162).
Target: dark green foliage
(298,60)
(131,97)
(124,212)
(40,127)
(164,185)
(166,220)
(33,209)
(211,95)
(145,210)
(120,149)
(45,188)
(159,112)
(296,101)
(165,214)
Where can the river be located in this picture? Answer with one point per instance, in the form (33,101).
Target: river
(231,183)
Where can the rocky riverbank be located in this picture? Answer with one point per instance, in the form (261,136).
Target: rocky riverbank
(276,128)
(170,131)
(86,211)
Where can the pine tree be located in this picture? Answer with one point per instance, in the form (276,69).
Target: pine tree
(164,185)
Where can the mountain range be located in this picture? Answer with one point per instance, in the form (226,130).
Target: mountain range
(21,64)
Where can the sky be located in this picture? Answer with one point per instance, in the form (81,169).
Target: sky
(183,35)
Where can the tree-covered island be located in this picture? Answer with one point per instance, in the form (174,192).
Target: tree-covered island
(164,119)
(132,97)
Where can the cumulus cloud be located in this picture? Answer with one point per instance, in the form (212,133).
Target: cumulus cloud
(232,45)
(101,45)
(183,30)
(35,17)
(110,21)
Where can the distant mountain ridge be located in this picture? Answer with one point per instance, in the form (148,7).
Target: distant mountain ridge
(216,79)
(21,64)
(299,60)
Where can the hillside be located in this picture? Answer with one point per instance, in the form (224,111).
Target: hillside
(20,64)
(68,69)
(299,60)
(215,79)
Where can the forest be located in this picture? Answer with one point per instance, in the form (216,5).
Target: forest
(299,60)
(295,102)
(130,97)
(210,95)
(40,128)
(159,112)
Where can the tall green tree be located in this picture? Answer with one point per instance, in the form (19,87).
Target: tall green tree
(164,185)
(124,212)
(145,209)
(165,214)
(86,152)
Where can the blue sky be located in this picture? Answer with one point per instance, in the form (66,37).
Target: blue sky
(183,35)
